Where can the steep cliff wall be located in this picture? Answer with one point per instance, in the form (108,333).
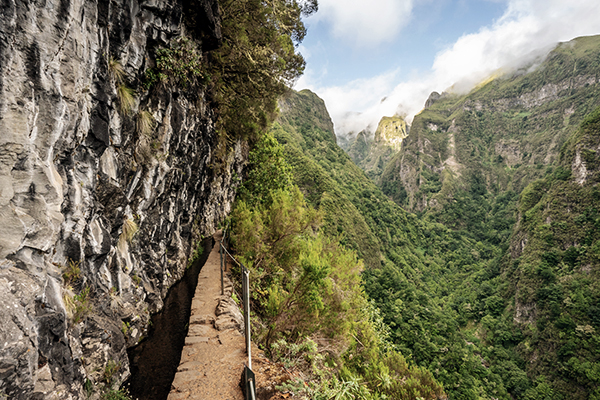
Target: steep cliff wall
(503,134)
(372,153)
(97,215)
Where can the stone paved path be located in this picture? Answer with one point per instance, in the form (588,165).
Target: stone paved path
(213,358)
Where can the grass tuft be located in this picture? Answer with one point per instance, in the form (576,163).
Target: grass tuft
(130,228)
(116,71)
(126,97)
(145,123)
(72,272)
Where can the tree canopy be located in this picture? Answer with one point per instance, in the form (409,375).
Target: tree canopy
(257,61)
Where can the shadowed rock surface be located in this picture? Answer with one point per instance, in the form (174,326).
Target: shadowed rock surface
(155,360)
(97,218)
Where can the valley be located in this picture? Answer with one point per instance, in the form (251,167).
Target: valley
(478,235)
(447,254)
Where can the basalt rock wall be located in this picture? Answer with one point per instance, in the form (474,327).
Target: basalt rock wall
(98,216)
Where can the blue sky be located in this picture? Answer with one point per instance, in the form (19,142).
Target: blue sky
(360,52)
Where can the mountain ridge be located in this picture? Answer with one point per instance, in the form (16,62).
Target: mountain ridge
(447,278)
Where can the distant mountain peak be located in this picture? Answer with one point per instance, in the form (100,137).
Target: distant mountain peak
(391,131)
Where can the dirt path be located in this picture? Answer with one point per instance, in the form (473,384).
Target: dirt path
(213,358)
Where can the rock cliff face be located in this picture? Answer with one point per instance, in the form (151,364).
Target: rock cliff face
(97,216)
(372,152)
(503,133)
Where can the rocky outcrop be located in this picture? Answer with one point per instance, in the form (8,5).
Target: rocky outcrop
(391,131)
(372,151)
(504,133)
(433,97)
(97,214)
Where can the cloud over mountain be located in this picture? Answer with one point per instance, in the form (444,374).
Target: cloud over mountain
(365,23)
(525,26)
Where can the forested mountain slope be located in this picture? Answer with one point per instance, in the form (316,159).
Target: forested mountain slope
(553,268)
(466,163)
(410,265)
(496,139)
(459,304)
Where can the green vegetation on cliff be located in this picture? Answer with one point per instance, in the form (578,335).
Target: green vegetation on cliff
(490,289)
(256,62)
(508,168)
(501,136)
(410,264)
(555,277)
(307,293)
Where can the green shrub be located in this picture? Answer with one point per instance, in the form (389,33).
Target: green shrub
(71,272)
(268,171)
(120,394)
(178,65)
(532,194)
(256,63)
(110,370)
(78,306)
(561,173)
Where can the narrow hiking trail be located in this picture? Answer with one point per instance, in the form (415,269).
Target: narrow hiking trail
(214,354)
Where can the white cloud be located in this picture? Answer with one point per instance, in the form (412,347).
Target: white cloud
(364,23)
(356,95)
(526,25)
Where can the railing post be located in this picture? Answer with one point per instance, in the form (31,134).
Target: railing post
(249,375)
(246,295)
(221,251)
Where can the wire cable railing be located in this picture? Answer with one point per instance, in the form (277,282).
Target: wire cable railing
(248,374)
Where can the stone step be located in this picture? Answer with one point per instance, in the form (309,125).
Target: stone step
(196,339)
(202,319)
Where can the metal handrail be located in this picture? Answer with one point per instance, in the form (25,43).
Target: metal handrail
(245,298)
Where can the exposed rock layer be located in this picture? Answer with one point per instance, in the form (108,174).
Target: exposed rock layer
(77,180)
(504,132)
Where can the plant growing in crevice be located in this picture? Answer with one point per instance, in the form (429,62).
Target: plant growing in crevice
(127,99)
(108,377)
(125,328)
(110,370)
(196,254)
(145,123)
(125,95)
(136,279)
(178,65)
(88,386)
(120,394)
(128,231)
(71,272)
(116,71)
(78,306)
